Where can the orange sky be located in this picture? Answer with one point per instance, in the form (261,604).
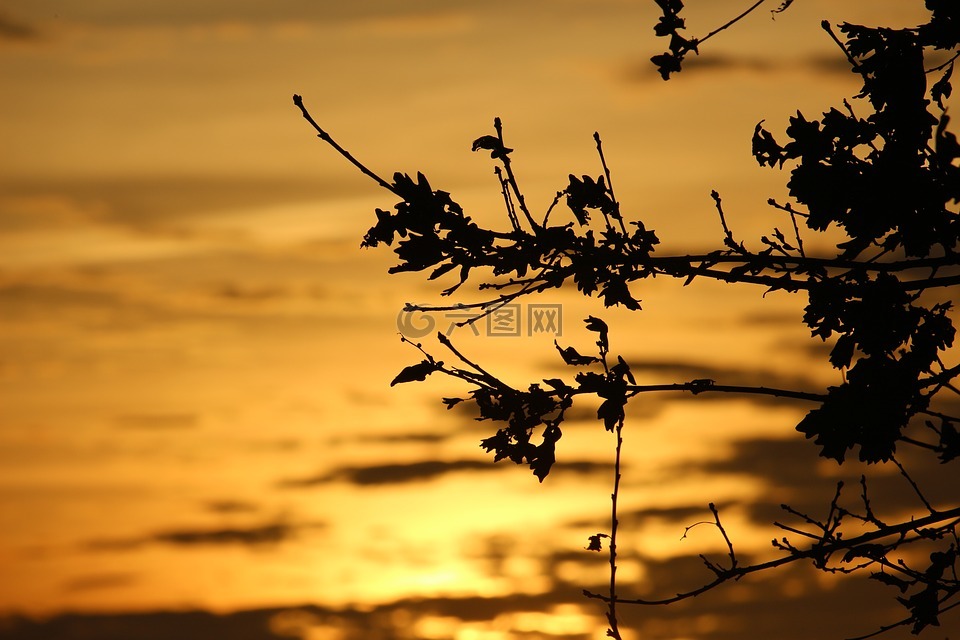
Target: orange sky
(195,354)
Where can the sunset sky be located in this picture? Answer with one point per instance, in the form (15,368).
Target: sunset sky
(195,354)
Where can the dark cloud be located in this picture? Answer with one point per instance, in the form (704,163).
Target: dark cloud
(683,514)
(390,621)
(777,461)
(158,421)
(389,473)
(94,305)
(792,473)
(252,536)
(424,471)
(644,70)
(230,506)
(23,299)
(788,605)
(161,203)
(246,293)
(177,13)
(258,535)
(402,438)
(769,318)
(98,581)
(13,29)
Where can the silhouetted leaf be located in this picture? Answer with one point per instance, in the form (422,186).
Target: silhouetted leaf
(599,326)
(416,372)
(842,352)
(587,193)
(611,412)
(783,7)
(616,292)
(949,441)
(870,551)
(942,89)
(452,402)
(491,144)
(572,357)
(622,369)
(594,544)
(559,385)
(544,455)
(924,608)
(667,63)
(765,148)
(893,581)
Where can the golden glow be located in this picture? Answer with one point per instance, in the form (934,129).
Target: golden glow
(195,355)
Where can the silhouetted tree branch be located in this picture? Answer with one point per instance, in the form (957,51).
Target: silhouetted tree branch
(889,181)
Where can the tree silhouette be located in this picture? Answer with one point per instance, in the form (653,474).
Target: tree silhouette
(888,178)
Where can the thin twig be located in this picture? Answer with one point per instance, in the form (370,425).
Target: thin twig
(731,22)
(606,172)
(498,125)
(507,200)
(612,602)
(323,135)
(945,64)
(556,200)
(723,532)
(445,341)
(796,231)
(916,489)
(837,544)
(856,66)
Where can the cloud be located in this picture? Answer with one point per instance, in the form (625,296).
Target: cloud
(158,421)
(98,581)
(403,438)
(230,506)
(424,471)
(713,62)
(41,297)
(419,25)
(636,517)
(790,605)
(251,536)
(240,292)
(12,29)
(270,533)
(792,472)
(777,604)
(163,202)
(389,473)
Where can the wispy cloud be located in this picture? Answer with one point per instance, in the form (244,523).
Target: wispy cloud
(162,202)
(269,533)
(423,471)
(97,581)
(633,518)
(158,421)
(13,29)
(793,473)
(759,608)
(713,62)
(230,506)
(390,473)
